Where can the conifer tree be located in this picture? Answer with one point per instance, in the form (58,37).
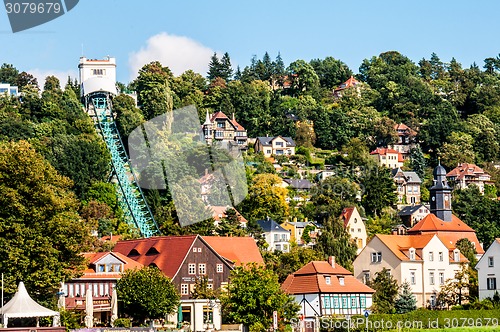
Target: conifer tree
(226,72)
(214,67)
(406,301)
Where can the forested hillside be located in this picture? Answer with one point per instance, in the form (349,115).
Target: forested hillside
(454,110)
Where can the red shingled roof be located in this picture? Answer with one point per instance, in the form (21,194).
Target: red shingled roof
(403,127)
(166,252)
(311,279)
(346,215)
(385,151)
(239,250)
(94,257)
(465,169)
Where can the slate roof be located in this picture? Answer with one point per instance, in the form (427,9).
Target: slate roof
(410,176)
(299,183)
(266,140)
(409,210)
(269,225)
(310,279)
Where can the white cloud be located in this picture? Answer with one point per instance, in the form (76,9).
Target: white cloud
(179,53)
(62,75)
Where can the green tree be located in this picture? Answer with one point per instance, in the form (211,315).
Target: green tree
(226,70)
(458,150)
(378,190)
(128,117)
(266,198)
(147,294)
(406,301)
(39,223)
(336,241)
(285,264)
(303,78)
(8,74)
(386,292)
(331,72)
(215,68)
(417,161)
(253,294)
(201,289)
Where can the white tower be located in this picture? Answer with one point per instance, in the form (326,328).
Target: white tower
(97,75)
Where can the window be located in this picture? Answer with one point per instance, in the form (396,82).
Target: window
(277,247)
(199,249)
(344,302)
(376,257)
(431,256)
(279,144)
(491,283)
(441,278)
(220,124)
(220,268)
(268,151)
(456,255)
(101,268)
(219,133)
(335,302)
(184,289)
(195,249)
(208,314)
(491,262)
(192,268)
(98,71)
(326,302)
(366,276)
(354,303)
(276,237)
(412,254)
(362,302)
(431,278)
(341,281)
(359,230)
(413,279)
(327,280)
(352,230)
(210,286)
(202,268)
(440,256)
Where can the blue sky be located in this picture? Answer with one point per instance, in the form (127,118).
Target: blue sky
(184,34)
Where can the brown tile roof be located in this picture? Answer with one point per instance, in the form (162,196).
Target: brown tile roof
(218,115)
(403,127)
(166,252)
(465,169)
(311,279)
(239,250)
(399,245)
(113,238)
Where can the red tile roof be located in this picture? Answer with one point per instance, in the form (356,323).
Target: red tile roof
(347,84)
(218,115)
(385,151)
(432,223)
(453,230)
(346,215)
(399,245)
(310,279)
(465,169)
(239,250)
(166,252)
(94,257)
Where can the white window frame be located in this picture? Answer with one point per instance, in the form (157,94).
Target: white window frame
(184,289)
(220,268)
(192,268)
(202,268)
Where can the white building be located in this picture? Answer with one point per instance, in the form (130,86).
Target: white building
(355,227)
(275,146)
(488,270)
(276,236)
(97,74)
(425,261)
(7,89)
(325,288)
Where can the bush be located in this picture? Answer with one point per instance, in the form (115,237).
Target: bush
(122,322)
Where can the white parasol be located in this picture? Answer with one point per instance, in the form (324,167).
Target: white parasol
(114,306)
(89,309)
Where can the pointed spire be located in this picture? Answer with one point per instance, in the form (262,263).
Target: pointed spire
(207,119)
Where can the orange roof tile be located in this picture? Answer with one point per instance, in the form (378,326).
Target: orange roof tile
(400,244)
(94,257)
(403,127)
(384,151)
(312,279)
(431,223)
(450,239)
(239,250)
(347,84)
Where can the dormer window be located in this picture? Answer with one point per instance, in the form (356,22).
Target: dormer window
(412,254)
(341,281)
(328,280)
(456,255)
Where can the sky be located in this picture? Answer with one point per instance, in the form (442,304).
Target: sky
(184,34)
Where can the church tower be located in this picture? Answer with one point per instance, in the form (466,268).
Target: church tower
(441,195)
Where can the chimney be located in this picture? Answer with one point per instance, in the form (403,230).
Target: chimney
(331,261)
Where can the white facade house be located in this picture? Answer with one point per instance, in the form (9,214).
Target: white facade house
(276,236)
(355,226)
(325,288)
(425,261)
(275,146)
(488,270)
(10,90)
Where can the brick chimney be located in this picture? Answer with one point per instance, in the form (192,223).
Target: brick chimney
(331,261)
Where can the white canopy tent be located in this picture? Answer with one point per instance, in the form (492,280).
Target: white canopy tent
(23,306)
